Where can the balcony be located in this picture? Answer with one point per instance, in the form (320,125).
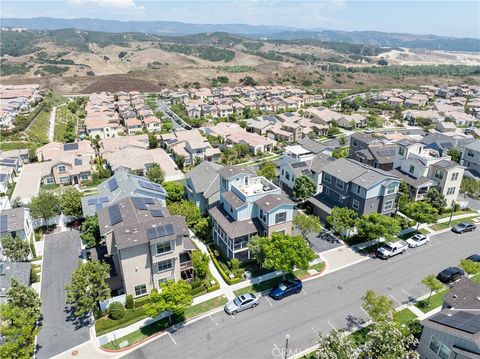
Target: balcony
(185,261)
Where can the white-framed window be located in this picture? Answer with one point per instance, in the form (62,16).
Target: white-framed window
(287,175)
(84,176)
(359,189)
(61,168)
(439,174)
(164,247)
(65,179)
(50,180)
(454,176)
(470,153)
(140,289)
(388,204)
(450,190)
(327,190)
(391,188)
(280,217)
(327,178)
(164,265)
(355,204)
(411,169)
(339,184)
(401,151)
(442,350)
(163,280)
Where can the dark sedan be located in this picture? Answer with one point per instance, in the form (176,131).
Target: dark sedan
(474,258)
(450,275)
(286,288)
(464,227)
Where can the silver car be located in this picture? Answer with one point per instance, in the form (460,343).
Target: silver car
(242,302)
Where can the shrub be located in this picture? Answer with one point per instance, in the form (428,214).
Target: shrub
(116,311)
(129,302)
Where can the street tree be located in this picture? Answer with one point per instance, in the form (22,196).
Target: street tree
(18,329)
(378,307)
(175,297)
(71,202)
(203,229)
(90,231)
(303,188)
(25,298)
(88,286)
(336,345)
(433,284)
(375,226)
(470,187)
(421,212)
(175,191)
(16,249)
(436,199)
(341,220)
(267,170)
(156,174)
(307,223)
(284,252)
(200,263)
(470,267)
(44,206)
(255,246)
(152,141)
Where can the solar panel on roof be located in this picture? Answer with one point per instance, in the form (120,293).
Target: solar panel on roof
(112,184)
(169,229)
(3,223)
(149,200)
(114,215)
(298,164)
(160,231)
(386,152)
(139,203)
(144,184)
(8,160)
(7,164)
(157,213)
(467,322)
(102,199)
(2,177)
(70,146)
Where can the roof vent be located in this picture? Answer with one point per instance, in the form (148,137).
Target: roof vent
(267,203)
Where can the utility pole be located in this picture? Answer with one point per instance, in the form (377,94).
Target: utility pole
(451,212)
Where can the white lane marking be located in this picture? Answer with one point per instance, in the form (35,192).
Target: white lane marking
(332,326)
(363,310)
(171,337)
(304,291)
(408,295)
(314,331)
(232,316)
(268,300)
(395,299)
(213,319)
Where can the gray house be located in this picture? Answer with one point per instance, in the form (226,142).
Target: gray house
(8,270)
(471,158)
(203,185)
(362,188)
(16,222)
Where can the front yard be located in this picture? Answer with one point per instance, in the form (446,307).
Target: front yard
(445,225)
(435,301)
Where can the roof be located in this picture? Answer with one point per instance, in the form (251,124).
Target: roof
(18,270)
(232,170)
(232,227)
(412,181)
(14,219)
(312,145)
(233,200)
(460,323)
(446,165)
(204,178)
(272,201)
(362,136)
(474,146)
(319,162)
(464,294)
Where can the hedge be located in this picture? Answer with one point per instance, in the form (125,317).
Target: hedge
(105,324)
(213,288)
(221,271)
(140,302)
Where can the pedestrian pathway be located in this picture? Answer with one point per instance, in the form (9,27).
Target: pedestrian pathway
(52,124)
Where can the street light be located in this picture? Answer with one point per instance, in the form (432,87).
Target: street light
(287,337)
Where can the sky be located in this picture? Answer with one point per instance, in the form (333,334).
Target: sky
(447,18)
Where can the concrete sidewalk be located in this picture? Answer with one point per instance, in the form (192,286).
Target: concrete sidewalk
(341,257)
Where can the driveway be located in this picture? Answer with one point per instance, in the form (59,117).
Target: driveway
(331,302)
(60,329)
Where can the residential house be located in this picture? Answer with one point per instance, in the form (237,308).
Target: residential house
(19,270)
(471,158)
(322,115)
(362,188)
(101,128)
(249,205)
(148,245)
(134,126)
(203,185)
(443,142)
(446,127)
(460,118)
(355,120)
(412,116)
(17,222)
(152,124)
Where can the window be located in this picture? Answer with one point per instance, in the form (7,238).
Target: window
(454,176)
(470,153)
(283,172)
(280,217)
(358,189)
(163,280)
(355,204)
(355,143)
(287,175)
(439,174)
(439,348)
(164,265)
(411,169)
(61,168)
(401,151)
(391,188)
(450,190)
(164,247)
(50,180)
(327,190)
(84,176)
(65,179)
(388,205)
(327,178)
(339,184)
(140,289)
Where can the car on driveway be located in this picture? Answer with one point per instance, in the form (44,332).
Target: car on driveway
(286,288)
(417,240)
(450,275)
(242,302)
(463,227)
(474,258)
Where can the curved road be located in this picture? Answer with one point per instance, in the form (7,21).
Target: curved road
(333,301)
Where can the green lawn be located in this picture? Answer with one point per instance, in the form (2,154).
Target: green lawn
(476,278)
(404,316)
(38,130)
(62,117)
(302,273)
(435,302)
(16,145)
(160,325)
(105,324)
(440,226)
(446,214)
(359,337)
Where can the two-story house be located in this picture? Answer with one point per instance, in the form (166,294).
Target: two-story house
(362,188)
(203,185)
(148,245)
(471,158)
(249,205)
(16,222)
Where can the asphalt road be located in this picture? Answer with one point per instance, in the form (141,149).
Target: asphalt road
(60,330)
(333,301)
(176,122)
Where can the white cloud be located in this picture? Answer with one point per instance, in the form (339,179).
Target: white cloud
(112,4)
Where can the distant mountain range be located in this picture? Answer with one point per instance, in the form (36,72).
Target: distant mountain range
(171,28)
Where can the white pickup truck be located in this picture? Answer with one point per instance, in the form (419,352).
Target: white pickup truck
(392,249)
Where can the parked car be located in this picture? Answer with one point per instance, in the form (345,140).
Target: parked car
(417,240)
(242,302)
(392,249)
(474,258)
(286,288)
(450,275)
(463,227)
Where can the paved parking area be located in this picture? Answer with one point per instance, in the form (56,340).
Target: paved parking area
(60,329)
(318,244)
